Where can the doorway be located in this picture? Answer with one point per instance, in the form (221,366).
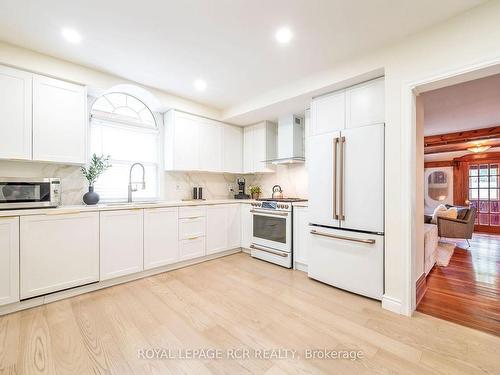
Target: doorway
(458,252)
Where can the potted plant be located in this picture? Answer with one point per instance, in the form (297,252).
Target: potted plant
(255,192)
(97,165)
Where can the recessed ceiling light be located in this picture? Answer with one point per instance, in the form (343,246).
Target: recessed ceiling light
(200,85)
(71,35)
(284,35)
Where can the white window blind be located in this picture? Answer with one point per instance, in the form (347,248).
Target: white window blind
(126,142)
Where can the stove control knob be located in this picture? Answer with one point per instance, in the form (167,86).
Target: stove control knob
(286,206)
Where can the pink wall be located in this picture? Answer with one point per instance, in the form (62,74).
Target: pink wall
(466,106)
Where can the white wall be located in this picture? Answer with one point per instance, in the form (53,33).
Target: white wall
(36,62)
(465,106)
(468,39)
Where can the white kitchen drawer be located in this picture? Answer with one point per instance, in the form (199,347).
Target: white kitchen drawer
(193,227)
(192,248)
(191,212)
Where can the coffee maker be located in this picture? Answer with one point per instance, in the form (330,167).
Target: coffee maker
(241,189)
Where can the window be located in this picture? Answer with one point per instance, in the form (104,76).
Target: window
(484,193)
(124,128)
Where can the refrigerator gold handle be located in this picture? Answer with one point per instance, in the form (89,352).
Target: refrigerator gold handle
(334,179)
(367,241)
(341,184)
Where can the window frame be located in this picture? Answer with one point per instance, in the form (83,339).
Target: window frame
(154,128)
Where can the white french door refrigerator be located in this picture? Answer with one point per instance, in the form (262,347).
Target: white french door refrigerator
(346,206)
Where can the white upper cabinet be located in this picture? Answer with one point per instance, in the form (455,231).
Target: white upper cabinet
(259,144)
(15,112)
(365,104)
(9,260)
(194,143)
(210,146)
(59,121)
(121,234)
(233,149)
(328,113)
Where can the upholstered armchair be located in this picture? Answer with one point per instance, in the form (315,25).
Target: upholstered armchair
(458,228)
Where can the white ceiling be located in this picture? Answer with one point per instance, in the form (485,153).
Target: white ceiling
(168,44)
(466,106)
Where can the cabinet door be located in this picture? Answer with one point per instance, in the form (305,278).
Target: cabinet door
(186,146)
(328,113)
(210,146)
(121,243)
(233,226)
(264,146)
(233,149)
(59,121)
(58,252)
(323,179)
(364,178)
(161,237)
(192,248)
(366,104)
(248,156)
(216,228)
(246,225)
(9,260)
(15,113)
(300,234)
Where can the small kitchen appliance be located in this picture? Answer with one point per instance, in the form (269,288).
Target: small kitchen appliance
(241,189)
(22,192)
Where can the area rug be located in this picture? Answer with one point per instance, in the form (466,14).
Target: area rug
(444,253)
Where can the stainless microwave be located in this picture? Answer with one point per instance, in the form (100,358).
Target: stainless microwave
(29,192)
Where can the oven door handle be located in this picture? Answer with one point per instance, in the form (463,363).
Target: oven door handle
(270,213)
(268,251)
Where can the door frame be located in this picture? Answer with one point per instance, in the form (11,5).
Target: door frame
(411,224)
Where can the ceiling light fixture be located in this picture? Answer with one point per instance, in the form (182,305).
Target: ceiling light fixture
(200,85)
(284,35)
(71,35)
(478,148)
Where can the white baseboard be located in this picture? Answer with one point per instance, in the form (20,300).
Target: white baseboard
(392,304)
(42,300)
(301,266)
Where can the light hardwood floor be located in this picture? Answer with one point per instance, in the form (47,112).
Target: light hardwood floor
(234,302)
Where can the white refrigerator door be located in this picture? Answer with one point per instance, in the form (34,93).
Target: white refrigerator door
(323,179)
(347,260)
(362,200)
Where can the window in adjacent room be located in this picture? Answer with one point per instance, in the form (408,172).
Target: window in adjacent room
(125,128)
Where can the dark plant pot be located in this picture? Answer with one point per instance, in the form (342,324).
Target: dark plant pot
(255,195)
(91,197)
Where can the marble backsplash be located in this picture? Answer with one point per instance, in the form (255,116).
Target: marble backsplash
(175,185)
(73,184)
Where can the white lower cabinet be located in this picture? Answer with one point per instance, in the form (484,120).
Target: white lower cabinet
(9,260)
(217,228)
(300,236)
(121,237)
(233,225)
(246,225)
(58,251)
(192,248)
(161,236)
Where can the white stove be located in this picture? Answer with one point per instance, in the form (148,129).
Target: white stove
(272,230)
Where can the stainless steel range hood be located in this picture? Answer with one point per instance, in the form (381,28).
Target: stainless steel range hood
(290,141)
